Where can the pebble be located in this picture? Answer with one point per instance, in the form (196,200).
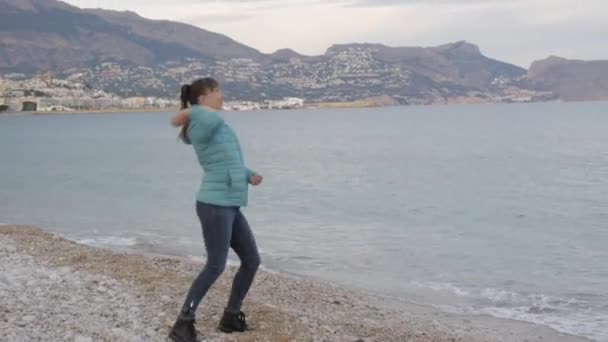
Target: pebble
(81,338)
(65,269)
(28,319)
(330,330)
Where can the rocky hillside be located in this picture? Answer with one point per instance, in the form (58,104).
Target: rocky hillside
(49,35)
(571,80)
(125,54)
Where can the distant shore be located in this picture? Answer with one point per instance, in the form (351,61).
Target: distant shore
(103,111)
(316,106)
(364,103)
(332,105)
(54,289)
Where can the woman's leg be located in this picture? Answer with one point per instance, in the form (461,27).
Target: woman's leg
(243,243)
(217,223)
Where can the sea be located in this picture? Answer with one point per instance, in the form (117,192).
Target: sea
(477,209)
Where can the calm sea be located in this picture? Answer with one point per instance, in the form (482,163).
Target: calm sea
(492,209)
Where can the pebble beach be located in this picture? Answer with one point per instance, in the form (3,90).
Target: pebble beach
(52,289)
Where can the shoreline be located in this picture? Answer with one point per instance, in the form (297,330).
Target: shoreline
(281,307)
(104,111)
(316,106)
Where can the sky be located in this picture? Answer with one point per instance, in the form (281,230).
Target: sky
(516,31)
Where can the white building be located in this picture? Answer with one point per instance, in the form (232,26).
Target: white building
(134,102)
(286,103)
(242,105)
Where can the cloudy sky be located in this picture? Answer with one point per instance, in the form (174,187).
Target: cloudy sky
(518,31)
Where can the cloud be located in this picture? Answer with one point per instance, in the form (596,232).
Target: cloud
(374,3)
(207,19)
(517,31)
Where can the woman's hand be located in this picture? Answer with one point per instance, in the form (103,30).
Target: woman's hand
(181,118)
(256,180)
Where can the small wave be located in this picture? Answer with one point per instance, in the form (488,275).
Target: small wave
(116,241)
(232,262)
(443,287)
(572,315)
(500,295)
(588,324)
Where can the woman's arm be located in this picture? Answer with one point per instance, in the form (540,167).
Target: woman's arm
(181,118)
(207,122)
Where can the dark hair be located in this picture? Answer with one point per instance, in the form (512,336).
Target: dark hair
(190,94)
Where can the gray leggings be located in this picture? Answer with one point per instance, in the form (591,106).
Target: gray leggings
(224,227)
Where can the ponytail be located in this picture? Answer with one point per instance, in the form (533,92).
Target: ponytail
(185,99)
(185,95)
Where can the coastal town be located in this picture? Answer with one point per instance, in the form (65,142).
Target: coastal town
(43,93)
(346,76)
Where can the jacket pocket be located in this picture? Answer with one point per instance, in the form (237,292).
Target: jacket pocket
(237,180)
(229,179)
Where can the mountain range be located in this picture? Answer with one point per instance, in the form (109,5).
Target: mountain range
(125,54)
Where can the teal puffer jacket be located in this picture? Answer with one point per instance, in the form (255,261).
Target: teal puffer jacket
(226,179)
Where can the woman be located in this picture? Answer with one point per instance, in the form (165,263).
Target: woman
(222,193)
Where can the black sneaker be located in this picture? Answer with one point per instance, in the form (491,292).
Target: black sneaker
(183,330)
(233,322)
